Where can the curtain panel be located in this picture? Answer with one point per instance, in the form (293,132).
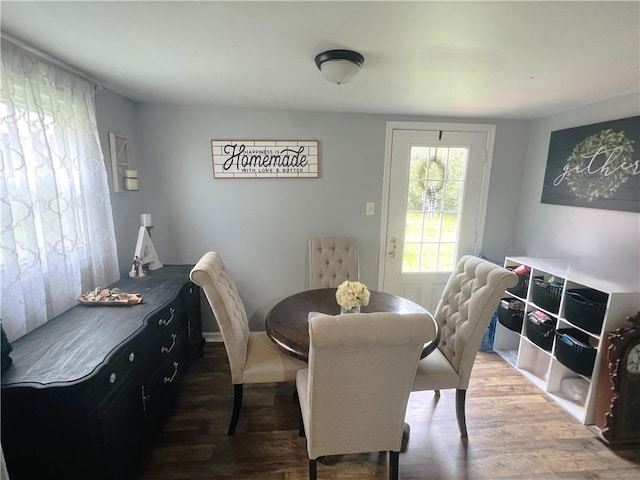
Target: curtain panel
(56,225)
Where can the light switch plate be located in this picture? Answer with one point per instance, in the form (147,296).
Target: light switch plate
(371,208)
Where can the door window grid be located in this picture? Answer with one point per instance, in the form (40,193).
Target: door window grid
(436,183)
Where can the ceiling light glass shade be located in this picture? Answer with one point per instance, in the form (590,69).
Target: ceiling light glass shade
(339,66)
(339,71)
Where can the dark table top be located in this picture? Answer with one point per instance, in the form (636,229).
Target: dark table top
(287,322)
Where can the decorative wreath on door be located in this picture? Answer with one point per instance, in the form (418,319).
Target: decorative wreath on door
(431,176)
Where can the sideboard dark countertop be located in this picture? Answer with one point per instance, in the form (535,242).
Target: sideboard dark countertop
(88,390)
(53,352)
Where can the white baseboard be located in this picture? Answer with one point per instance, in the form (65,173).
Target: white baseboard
(212,336)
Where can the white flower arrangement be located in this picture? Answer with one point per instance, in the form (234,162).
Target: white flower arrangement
(352,294)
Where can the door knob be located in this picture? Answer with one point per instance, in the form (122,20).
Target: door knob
(392,253)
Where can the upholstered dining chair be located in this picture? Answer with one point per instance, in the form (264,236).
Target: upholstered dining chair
(332,260)
(354,394)
(470,297)
(253,357)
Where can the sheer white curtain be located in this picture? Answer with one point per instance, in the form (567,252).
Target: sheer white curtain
(56,226)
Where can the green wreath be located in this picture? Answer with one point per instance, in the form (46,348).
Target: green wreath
(588,186)
(431,180)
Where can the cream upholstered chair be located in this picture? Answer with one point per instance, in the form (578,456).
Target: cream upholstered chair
(332,260)
(470,298)
(253,357)
(354,394)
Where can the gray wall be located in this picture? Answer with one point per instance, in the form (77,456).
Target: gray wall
(605,236)
(261,226)
(118,115)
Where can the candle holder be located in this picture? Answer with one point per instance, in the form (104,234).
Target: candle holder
(131,180)
(145,257)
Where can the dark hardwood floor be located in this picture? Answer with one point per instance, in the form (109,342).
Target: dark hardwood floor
(515,432)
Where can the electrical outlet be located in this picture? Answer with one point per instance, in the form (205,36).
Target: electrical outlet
(371,208)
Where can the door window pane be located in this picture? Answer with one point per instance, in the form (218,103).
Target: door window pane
(411,257)
(446,256)
(433,217)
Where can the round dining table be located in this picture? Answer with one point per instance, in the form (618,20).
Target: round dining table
(287,323)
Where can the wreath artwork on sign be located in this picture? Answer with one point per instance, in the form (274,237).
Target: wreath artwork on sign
(590,187)
(595,166)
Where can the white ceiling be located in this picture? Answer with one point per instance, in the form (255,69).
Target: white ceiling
(474,59)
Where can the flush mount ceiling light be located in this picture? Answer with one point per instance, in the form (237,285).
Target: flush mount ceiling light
(339,66)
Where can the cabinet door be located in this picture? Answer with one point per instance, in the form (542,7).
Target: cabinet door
(108,380)
(191,295)
(120,423)
(49,433)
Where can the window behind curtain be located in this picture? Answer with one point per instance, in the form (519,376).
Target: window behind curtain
(56,227)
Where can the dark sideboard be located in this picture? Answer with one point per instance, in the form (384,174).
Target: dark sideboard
(89,389)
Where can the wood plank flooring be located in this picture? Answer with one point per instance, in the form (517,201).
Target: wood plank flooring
(515,432)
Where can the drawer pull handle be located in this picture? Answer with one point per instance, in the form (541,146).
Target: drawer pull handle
(173,344)
(132,357)
(175,372)
(164,322)
(112,378)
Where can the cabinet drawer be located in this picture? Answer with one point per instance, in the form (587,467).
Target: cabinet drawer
(169,319)
(162,347)
(163,323)
(160,389)
(116,372)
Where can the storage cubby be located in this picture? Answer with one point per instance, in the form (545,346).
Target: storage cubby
(534,360)
(583,300)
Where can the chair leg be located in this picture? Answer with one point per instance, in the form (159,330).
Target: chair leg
(237,405)
(406,433)
(462,422)
(301,432)
(394,458)
(313,470)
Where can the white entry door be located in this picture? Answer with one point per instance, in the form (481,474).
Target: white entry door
(436,185)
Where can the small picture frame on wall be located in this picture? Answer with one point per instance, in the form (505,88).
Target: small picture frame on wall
(119,160)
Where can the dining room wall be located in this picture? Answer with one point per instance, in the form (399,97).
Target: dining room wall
(116,114)
(601,236)
(261,226)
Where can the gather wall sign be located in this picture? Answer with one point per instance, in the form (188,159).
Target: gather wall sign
(595,166)
(265,158)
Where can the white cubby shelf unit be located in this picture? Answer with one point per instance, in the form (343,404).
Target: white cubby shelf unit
(620,289)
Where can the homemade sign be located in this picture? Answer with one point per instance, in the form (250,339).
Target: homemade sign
(595,166)
(265,158)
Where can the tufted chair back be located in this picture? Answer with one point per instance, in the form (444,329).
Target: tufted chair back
(354,394)
(223,297)
(470,298)
(332,260)
(468,302)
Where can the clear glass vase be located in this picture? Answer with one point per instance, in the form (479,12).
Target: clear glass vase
(355,309)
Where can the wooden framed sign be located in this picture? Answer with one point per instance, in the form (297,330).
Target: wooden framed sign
(265,158)
(595,166)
